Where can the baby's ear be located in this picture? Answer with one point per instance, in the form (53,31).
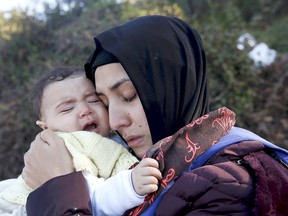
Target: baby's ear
(41,124)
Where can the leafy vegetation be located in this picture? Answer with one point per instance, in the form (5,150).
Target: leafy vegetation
(30,45)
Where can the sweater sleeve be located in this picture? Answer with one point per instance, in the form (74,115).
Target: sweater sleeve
(112,196)
(63,195)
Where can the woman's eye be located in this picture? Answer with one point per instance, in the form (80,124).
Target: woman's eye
(130,99)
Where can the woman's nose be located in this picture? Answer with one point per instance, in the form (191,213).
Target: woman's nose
(118,118)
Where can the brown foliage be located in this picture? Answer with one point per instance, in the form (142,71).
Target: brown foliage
(270,115)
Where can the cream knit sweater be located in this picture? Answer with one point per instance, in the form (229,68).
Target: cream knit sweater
(91,152)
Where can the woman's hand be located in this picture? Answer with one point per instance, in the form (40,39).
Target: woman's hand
(47,158)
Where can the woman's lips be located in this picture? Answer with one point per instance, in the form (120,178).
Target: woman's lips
(136,141)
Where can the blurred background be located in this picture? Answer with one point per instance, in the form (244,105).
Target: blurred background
(246,45)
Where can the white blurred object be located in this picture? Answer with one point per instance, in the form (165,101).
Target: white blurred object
(262,55)
(246,42)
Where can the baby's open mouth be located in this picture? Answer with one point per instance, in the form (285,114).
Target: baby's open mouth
(89,127)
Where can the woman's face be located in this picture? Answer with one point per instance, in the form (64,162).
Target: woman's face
(126,114)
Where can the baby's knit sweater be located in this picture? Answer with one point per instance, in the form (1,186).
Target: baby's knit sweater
(91,152)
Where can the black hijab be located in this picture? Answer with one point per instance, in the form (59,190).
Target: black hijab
(165,60)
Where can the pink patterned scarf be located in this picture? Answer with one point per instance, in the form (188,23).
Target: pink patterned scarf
(175,153)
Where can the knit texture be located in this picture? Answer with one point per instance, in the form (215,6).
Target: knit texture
(91,152)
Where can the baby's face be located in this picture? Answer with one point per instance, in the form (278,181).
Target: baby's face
(72,105)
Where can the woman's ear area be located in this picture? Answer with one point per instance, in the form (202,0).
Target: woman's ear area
(41,124)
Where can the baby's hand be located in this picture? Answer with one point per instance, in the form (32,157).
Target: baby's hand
(145,176)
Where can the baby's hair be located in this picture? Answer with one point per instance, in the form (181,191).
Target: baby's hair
(55,75)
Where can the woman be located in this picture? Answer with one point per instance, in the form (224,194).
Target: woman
(151,75)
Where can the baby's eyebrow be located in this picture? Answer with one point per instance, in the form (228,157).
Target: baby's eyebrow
(90,93)
(68,101)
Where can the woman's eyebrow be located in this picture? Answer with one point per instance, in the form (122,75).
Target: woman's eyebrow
(115,85)
(118,83)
